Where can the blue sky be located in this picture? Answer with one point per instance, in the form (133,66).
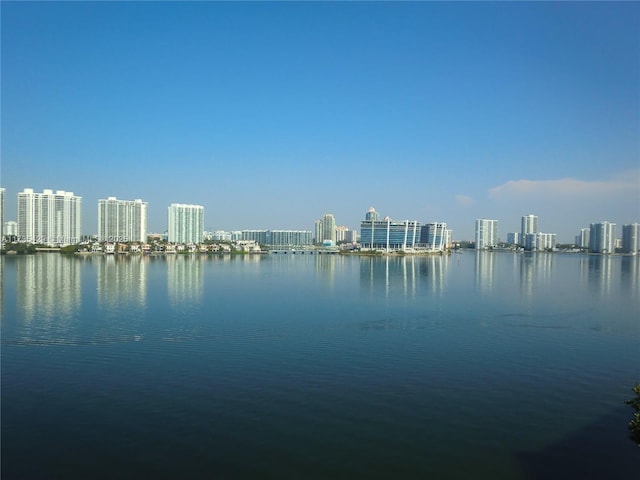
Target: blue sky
(272,114)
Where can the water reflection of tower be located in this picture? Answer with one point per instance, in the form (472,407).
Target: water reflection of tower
(527,274)
(375,275)
(630,273)
(382,275)
(543,267)
(326,267)
(535,270)
(599,276)
(184,278)
(48,286)
(433,272)
(485,267)
(122,280)
(1,288)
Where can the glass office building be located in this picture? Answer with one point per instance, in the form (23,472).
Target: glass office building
(389,235)
(433,236)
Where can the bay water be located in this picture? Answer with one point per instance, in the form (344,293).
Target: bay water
(474,365)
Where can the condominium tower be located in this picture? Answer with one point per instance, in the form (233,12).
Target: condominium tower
(49,218)
(279,238)
(326,228)
(186,223)
(2,190)
(631,238)
(540,242)
(122,220)
(582,239)
(528,224)
(372,214)
(486,233)
(602,237)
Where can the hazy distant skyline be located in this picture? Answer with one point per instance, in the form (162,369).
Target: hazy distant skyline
(272,114)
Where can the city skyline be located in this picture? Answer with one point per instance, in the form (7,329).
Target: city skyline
(136,219)
(271,114)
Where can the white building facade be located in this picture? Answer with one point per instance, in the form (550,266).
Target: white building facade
(582,239)
(2,232)
(631,238)
(186,223)
(486,233)
(10,229)
(52,219)
(540,242)
(122,220)
(513,238)
(602,237)
(325,228)
(528,224)
(390,235)
(434,236)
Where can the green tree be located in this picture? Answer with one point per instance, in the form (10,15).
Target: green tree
(634,423)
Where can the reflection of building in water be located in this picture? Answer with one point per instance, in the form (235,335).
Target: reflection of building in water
(48,286)
(535,270)
(410,274)
(432,271)
(527,274)
(630,273)
(1,288)
(184,278)
(122,280)
(485,268)
(326,266)
(599,273)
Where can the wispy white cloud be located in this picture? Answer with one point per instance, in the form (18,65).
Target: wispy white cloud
(567,187)
(465,200)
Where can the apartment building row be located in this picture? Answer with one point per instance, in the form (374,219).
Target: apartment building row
(599,237)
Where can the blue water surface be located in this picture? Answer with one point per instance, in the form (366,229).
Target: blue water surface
(474,365)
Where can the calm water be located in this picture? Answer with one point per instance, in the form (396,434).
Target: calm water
(475,365)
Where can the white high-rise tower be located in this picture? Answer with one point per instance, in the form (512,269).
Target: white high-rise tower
(529,224)
(326,228)
(49,218)
(486,233)
(186,223)
(122,220)
(602,237)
